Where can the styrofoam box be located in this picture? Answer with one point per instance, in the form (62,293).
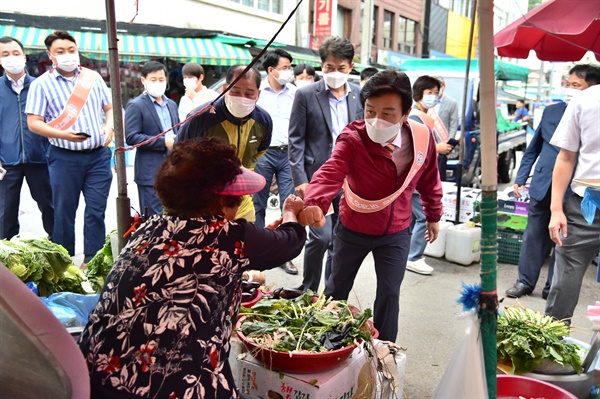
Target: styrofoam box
(468,196)
(255,380)
(450,212)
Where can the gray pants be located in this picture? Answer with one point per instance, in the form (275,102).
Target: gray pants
(579,248)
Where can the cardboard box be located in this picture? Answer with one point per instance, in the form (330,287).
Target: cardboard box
(512,221)
(255,380)
(450,213)
(513,206)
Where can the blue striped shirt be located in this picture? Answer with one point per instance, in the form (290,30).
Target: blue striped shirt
(163,112)
(48,95)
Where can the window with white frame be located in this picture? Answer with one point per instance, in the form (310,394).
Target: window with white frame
(407,29)
(274,6)
(386,31)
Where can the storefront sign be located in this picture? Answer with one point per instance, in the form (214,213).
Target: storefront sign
(323,23)
(391,58)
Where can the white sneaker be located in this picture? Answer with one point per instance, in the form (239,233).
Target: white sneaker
(419,266)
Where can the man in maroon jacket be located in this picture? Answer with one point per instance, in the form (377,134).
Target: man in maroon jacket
(379,161)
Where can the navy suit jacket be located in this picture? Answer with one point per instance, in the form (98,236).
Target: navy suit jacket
(545,153)
(310,137)
(141,123)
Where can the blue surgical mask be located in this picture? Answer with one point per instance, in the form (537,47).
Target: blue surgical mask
(430,100)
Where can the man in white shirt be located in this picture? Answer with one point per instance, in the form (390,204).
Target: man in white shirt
(578,136)
(276,97)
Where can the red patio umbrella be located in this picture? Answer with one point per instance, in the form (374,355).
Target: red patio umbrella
(558,30)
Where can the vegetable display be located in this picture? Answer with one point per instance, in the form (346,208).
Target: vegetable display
(98,267)
(527,337)
(34,258)
(304,324)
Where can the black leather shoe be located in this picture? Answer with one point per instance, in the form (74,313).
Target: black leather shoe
(544,294)
(289,268)
(518,290)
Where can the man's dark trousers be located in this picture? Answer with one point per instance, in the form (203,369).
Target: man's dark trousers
(38,181)
(390,253)
(536,244)
(274,162)
(73,173)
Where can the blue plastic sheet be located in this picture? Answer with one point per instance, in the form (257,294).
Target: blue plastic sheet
(589,204)
(73,310)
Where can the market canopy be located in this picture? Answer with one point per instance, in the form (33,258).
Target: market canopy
(502,70)
(94,45)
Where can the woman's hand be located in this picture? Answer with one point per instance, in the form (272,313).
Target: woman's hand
(292,206)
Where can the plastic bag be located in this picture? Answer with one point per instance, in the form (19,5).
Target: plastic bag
(465,374)
(71,309)
(589,204)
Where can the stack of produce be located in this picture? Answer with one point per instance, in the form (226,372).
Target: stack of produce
(98,267)
(36,259)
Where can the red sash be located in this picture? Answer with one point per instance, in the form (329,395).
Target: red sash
(75,103)
(420,135)
(438,125)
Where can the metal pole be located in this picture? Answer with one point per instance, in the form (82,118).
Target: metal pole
(489,205)
(461,147)
(123,202)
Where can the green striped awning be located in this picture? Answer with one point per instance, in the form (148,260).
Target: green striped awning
(133,48)
(301,58)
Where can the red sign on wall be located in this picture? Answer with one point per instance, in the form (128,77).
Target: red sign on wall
(323,17)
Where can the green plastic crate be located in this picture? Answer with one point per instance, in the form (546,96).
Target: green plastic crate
(509,246)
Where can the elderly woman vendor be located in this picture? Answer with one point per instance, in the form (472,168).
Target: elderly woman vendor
(379,161)
(162,325)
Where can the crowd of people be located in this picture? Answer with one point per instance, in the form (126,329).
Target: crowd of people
(360,166)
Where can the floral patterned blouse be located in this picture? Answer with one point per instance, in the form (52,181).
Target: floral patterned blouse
(162,325)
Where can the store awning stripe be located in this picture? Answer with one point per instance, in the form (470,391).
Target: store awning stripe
(95,45)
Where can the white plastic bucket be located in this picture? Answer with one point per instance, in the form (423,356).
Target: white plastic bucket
(437,249)
(463,244)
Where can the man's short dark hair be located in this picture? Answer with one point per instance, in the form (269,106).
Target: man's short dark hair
(386,82)
(299,69)
(235,70)
(153,66)
(58,35)
(337,47)
(192,69)
(367,73)
(521,101)
(423,83)
(272,57)
(8,39)
(590,73)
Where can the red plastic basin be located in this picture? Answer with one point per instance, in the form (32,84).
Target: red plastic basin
(513,386)
(257,297)
(299,363)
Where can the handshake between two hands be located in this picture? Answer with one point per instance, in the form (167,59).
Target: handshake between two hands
(294,211)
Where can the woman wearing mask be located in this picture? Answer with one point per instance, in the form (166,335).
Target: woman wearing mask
(166,314)
(426,96)
(195,92)
(379,161)
(304,75)
(147,115)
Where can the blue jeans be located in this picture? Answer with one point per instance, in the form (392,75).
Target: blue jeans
(73,173)
(418,227)
(273,162)
(38,181)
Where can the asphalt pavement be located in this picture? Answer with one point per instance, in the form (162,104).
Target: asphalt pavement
(430,326)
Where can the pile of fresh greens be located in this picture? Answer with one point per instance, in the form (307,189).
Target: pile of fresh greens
(527,337)
(98,267)
(36,259)
(302,325)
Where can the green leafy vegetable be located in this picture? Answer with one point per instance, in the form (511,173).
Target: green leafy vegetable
(527,337)
(98,267)
(304,324)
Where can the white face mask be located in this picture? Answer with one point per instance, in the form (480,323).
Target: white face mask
(430,100)
(381,131)
(156,89)
(569,93)
(240,107)
(190,83)
(13,64)
(285,77)
(67,62)
(302,83)
(335,79)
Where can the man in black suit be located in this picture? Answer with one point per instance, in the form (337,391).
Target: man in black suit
(320,111)
(147,115)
